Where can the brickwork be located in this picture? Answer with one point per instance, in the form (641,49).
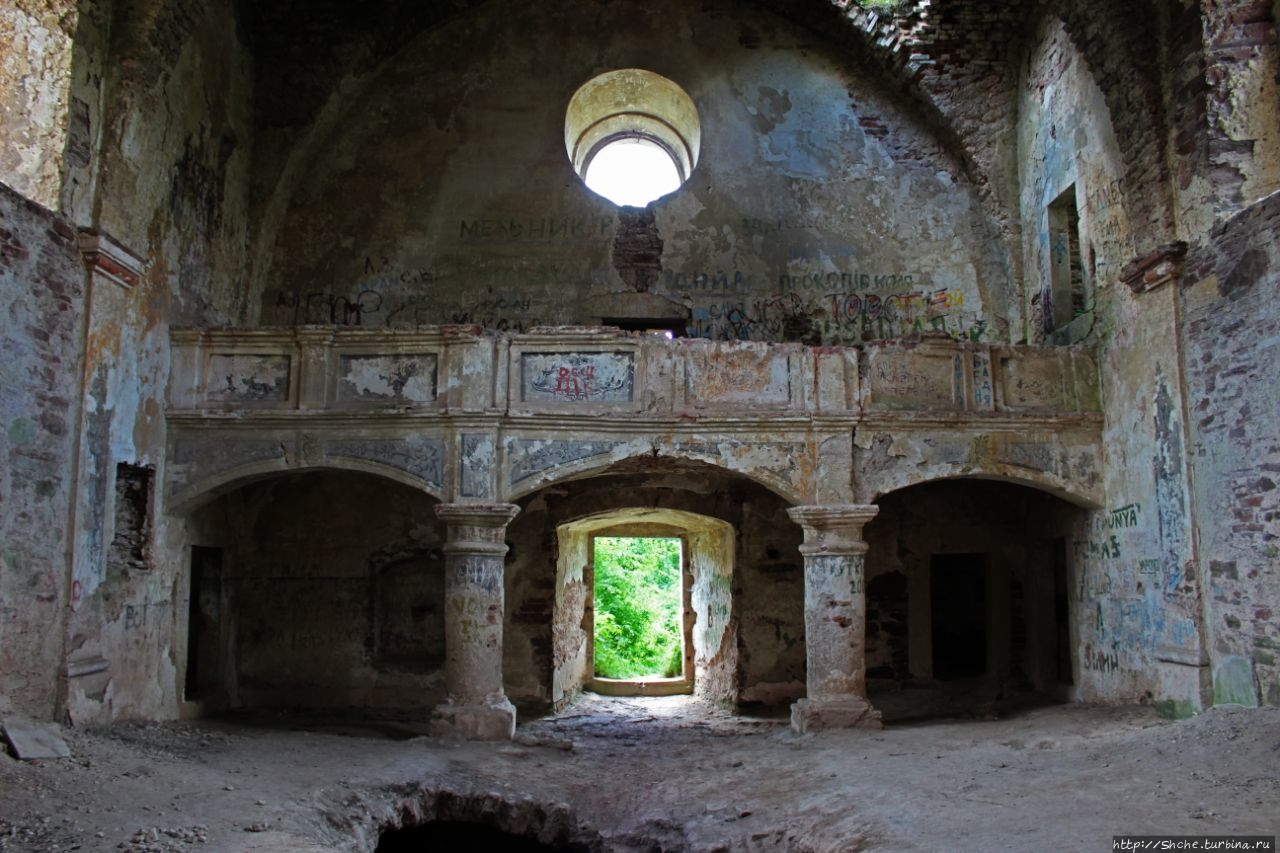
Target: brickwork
(41,298)
(1231,327)
(1241,57)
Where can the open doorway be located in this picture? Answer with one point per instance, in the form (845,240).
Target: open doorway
(638,613)
(697,553)
(204,626)
(969,604)
(638,608)
(958,592)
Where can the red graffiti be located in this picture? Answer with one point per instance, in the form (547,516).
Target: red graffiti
(574,383)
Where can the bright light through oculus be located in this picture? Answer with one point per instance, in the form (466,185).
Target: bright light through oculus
(632,172)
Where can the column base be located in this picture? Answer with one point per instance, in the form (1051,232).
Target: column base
(815,715)
(490,721)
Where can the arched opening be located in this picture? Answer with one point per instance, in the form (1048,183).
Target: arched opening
(316,590)
(742,581)
(968,598)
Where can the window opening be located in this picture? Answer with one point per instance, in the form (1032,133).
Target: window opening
(633,136)
(638,607)
(656,326)
(632,171)
(1068,298)
(133,518)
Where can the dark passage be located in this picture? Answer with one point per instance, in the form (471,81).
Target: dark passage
(204,617)
(959,598)
(456,835)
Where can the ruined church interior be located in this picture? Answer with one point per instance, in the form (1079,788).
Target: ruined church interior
(942,344)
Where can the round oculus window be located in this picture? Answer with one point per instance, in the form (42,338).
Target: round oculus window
(633,136)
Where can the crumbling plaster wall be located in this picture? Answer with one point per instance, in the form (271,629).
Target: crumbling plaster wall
(41,297)
(816,199)
(1231,328)
(35,81)
(1135,562)
(1242,72)
(171,180)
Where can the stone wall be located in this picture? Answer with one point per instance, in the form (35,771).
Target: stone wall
(168,188)
(1231,328)
(42,299)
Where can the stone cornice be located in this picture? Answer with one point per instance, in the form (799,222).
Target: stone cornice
(109,260)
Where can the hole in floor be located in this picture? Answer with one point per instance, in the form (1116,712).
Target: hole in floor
(459,835)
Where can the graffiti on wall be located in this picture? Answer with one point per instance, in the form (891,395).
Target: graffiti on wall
(536,229)
(844,317)
(578,377)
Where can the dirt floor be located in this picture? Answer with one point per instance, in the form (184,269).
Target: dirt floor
(654,774)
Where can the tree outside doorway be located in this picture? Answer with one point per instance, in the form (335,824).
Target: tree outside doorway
(637,607)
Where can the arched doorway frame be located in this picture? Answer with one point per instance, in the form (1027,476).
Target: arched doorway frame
(708,612)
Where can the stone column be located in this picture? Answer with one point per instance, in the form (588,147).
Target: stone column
(476,708)
(835,618)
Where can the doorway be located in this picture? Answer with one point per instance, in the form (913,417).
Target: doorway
(703,549)
(639,612)
(204,625)
(638,607)
(958,598)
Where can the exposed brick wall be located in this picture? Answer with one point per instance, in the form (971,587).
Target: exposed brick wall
(1122,45)
(1241,59)
(1232,339)
(42,283)
(148,35)
(1189,155)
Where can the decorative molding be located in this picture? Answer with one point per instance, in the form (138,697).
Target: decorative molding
(107,258)
(1155,269)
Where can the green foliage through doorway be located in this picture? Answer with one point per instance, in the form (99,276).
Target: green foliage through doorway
(637,607)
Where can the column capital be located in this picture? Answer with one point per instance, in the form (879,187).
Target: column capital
(476,528)
(486,515)
(833,528)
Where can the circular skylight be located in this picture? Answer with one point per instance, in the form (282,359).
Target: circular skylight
(632,135)
(632,171)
